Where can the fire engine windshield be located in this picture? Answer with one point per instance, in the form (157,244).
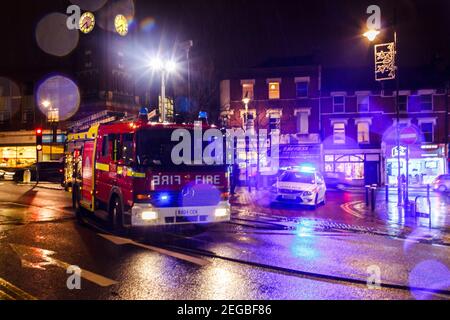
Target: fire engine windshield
(154,147)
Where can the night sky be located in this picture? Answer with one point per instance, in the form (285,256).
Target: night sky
(244,33)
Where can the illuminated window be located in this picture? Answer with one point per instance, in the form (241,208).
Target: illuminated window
(363,132)
(302,89)
(426,102)
(338,104)
(247,91)
(363,103)
(274,90)
(427,131)
(339,133)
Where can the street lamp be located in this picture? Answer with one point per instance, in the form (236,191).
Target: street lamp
(371,35)
(246,101)
(165,67)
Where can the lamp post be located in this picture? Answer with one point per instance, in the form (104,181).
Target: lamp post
(371,35)
(165,68)
(246,101)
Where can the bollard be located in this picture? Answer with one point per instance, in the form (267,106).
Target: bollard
(367,196)
(27,176)
(387,193)
(373,198)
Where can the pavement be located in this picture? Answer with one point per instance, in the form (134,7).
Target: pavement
(349,209)
(254,256)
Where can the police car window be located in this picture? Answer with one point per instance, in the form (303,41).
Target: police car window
(298,177)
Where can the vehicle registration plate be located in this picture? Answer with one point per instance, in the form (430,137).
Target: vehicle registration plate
(289,197)
(186,212)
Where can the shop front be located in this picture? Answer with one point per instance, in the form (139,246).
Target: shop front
(292,155)
(18,149)
(426,162)
(361,167)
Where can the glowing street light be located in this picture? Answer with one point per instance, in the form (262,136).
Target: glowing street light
(165,67)
(371,34)
(46,104)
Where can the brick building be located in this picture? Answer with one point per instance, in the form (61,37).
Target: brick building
(342,124)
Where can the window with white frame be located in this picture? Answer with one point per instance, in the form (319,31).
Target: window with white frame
(363,132)
(339,133)
(244,116)
(274,90)
(302,89)
(363,103)
(426,102)
(247,90)
(403,103)
(274,121)
(338,104)
(302,121)
(427,129)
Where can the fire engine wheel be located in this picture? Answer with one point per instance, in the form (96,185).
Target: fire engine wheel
(116,216)
(79,211)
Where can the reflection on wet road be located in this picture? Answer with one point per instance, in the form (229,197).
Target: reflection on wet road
(252,257)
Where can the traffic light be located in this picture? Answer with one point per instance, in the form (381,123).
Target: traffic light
(39,139)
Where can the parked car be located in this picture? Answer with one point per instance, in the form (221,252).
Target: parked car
(338,180)
(303,186)
(48,171)
(442,183)
(6,175)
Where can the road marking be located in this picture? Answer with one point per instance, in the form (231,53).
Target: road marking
(38,258)
(123,241)
(13,289)
(5,296)
(347,207)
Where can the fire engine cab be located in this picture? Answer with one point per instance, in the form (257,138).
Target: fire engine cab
(122,171)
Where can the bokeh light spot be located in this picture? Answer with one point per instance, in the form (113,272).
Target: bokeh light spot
(61,93)
(53,36)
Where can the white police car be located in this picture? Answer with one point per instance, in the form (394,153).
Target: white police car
(302,185)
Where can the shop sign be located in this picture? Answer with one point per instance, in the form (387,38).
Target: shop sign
(395,152)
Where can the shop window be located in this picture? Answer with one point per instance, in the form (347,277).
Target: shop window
(363,103)
(247,91)
(302,89)
(427,131)
(426,102)
(363,132)
(403,103)
(274,90)
(302,123)
(339,133)
(338,104)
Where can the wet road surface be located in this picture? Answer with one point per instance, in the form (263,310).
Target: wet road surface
(252,257)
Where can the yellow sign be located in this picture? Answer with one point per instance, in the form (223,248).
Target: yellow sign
(121,25)
(87,22)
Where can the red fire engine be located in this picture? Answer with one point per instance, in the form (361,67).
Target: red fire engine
(122,171)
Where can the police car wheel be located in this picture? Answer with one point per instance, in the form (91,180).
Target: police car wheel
(442,188)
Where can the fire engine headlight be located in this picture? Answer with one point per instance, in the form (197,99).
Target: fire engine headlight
(149,215)
(222,212)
